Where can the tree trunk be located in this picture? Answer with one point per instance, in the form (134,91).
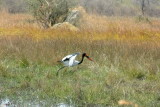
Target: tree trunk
(143,7)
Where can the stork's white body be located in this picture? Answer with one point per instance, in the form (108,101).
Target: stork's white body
(69,60)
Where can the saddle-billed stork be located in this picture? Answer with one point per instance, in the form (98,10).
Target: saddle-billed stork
(69,60)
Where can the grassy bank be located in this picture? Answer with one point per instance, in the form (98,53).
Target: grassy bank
(126,55)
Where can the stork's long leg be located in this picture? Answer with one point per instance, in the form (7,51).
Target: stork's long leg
(59,70)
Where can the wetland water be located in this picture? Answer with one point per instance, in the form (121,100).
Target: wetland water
(6,102)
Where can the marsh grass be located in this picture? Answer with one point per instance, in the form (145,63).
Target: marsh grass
(126,64)
(122,70)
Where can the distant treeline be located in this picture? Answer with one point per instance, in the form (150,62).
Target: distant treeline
(102,7)
(123,7)
(14,6)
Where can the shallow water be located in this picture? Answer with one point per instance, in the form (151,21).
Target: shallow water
(21,103)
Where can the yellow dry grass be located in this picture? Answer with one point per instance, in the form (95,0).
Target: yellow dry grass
(126,103)
(14,20)
(92,28)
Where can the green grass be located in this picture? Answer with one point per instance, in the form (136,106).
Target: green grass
(127,70)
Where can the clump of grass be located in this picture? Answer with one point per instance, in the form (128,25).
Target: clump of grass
(136,74)
(24,63)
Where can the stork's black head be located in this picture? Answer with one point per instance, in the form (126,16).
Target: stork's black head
(85,55)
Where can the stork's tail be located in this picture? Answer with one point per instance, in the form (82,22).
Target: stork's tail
(59,61)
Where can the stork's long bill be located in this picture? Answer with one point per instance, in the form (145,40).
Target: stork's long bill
(89,58)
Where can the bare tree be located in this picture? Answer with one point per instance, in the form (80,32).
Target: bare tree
(50,12)
(143,6)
